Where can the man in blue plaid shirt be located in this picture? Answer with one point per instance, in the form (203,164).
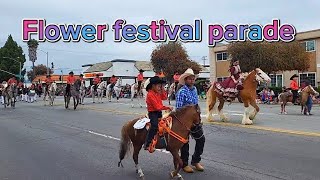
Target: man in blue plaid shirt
(188,95)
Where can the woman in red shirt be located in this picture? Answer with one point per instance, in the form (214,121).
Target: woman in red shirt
(155,95)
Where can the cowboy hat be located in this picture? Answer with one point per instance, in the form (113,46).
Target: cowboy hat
(187,73)
(295,75)
(154,80)
(141,70)
(71,72)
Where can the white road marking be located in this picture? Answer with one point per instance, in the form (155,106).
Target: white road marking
(114,138)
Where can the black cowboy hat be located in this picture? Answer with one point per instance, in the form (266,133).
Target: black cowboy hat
(295,75)
(154,80)
(71,72)
(81,75)
(141,70)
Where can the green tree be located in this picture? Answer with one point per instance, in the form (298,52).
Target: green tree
(270,57)
(32,47)
(171,57)
(10,51)
(38,70)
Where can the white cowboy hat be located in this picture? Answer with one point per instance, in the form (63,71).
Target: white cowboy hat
(146,83)
(188,72)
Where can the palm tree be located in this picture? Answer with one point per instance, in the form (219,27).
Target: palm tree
(32,46)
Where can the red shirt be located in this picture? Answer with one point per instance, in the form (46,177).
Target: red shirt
(11,81)
(71,80)
(48,81)
(140,77)
(96,80)
(154,101)
(176,77)
(113,80)
(294,85)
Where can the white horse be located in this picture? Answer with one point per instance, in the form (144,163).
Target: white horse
(82,92)
(100,91)
(51,93)
(117,89)
(141,95)
(171,92)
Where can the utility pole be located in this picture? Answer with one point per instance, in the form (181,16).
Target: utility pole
(204,58)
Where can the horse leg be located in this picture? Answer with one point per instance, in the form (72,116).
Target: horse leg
(211,101)
(255,110)
(177,162)
(223,117)
(245,119)
(137,148)
(74,103)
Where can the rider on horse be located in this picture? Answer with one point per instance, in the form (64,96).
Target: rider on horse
(231,86)
(176,78)
(140,79)
(96,82)
(48,82)
(81,78)
(70,81)
(113,81)
(155,95)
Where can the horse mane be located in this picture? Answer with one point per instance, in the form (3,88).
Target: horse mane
(181,110)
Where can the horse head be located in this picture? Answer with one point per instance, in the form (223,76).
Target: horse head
(262,76)
(189,116)
(309,89)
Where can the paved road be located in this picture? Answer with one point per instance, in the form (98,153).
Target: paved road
(53,143)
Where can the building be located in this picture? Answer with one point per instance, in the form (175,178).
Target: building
(127,70)
(219,61)
(123,68)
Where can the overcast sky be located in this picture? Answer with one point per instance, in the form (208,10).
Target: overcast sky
(304,15)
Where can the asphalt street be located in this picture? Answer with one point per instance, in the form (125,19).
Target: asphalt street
(40,142)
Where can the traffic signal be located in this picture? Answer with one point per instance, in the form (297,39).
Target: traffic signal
(52,66)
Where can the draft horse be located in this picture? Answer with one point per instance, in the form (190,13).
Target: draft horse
(247,95)
(183,120)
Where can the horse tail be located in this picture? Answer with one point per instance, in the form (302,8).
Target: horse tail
(125,143)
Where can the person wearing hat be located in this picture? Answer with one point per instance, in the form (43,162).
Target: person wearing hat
(156,94)
(96,82)
(70,81)
(233,83)
(81,77)
(187,95)
(294,88)
(176,78)
(140,79)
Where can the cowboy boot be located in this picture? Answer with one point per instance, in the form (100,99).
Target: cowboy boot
(188,169)
(198,166)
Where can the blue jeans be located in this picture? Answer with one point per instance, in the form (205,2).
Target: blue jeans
(309,103)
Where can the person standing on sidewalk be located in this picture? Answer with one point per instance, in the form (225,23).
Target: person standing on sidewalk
(188,95)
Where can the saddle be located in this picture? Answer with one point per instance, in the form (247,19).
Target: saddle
(164,129)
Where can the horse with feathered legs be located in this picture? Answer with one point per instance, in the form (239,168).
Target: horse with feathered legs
(183,120)
(82,92)
(116,89)
(247,95)
(141,95)
(74,92)
(100,91)
(51,93)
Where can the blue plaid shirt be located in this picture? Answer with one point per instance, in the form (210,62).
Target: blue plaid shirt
(186,96)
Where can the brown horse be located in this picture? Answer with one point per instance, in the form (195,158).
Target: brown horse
(284,98)
(182,121)
(304,94)
(247,95)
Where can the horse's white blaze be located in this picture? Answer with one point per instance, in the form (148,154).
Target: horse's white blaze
(262,76)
